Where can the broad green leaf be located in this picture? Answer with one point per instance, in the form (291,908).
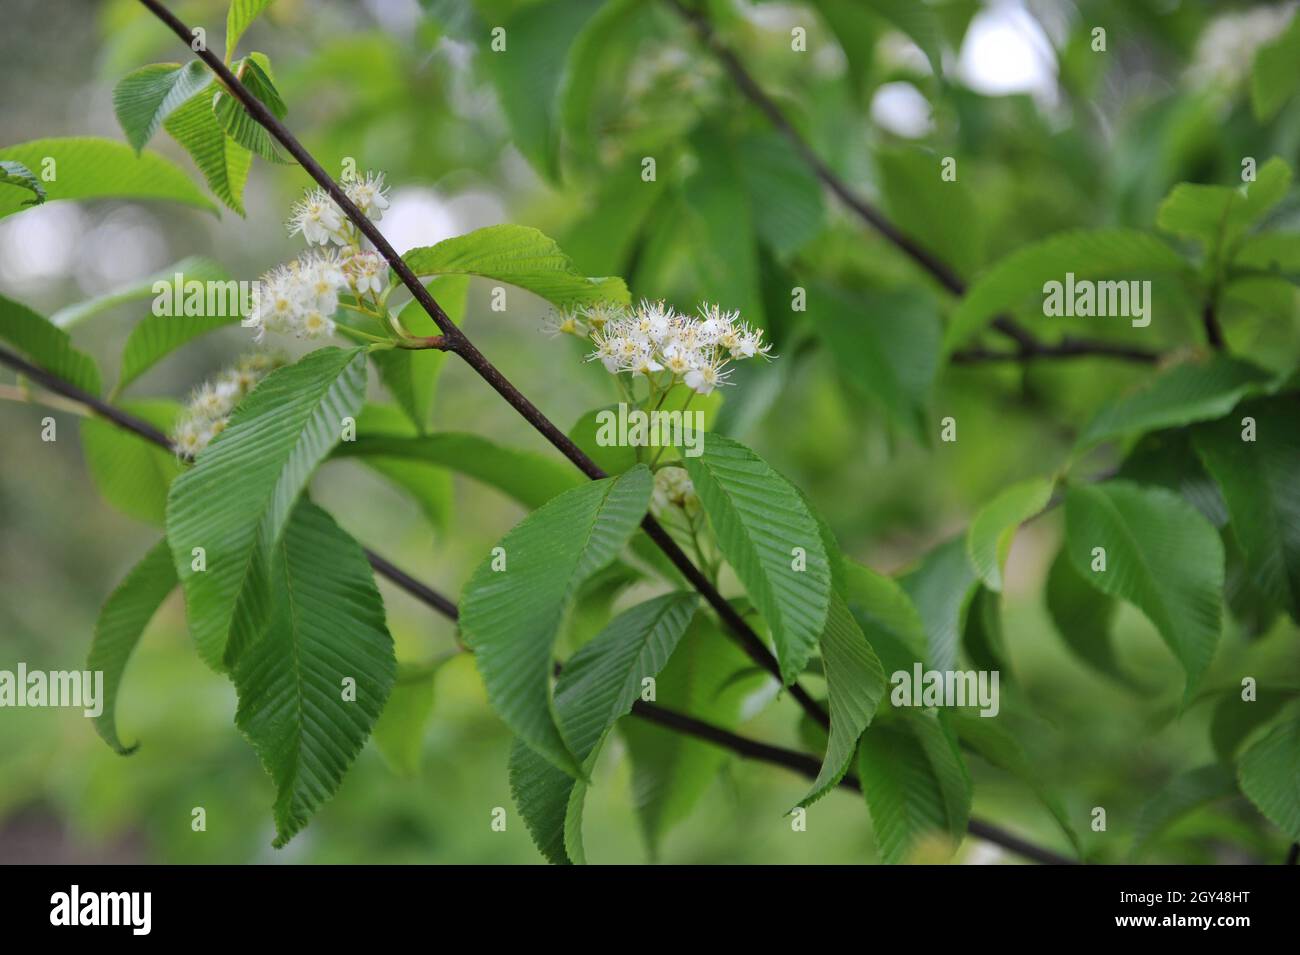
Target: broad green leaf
(1274,77)
(598,685)
(1217,216)
(235,502)
(46,346)
(598,59)
(785,196)
(155,337)
(133,474)
(429,485)
(531,479)
(1235,718)
(90,168)
(1179,796)
(13,173)
(122,620)
(1273,252)
(145,98)
(223,162)
(885,345)
(915,782)
(1161,556)
(997,744)
(411,376)
(887,616)
(988,541)
(1193,391)
(240,17)
(855,683)
(710,678)
(511,617)
(766,531)
(519,256)
(1083,616)
(982,636)
(1167,459)
(1259,480)
(942,589)
(940,215)
(399,732)
(1105,254)
(313,686)
(1269,774)
(528,71)
(239,124)
(193,268)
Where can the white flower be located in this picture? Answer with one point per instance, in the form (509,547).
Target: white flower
(565,323)
(317,218)
(673,488)
(369,194)
(366,272)
(707,376)
(211,405)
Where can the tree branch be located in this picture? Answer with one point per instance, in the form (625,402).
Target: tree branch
(1029,347)
(456,341)
(671,719)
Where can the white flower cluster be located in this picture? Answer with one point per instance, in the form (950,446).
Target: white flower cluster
(673,487)
(654,340)
(210,406)
(321,221)
(302,297)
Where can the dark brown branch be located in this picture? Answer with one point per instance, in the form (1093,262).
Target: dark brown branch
(457,342)
(1028,345)
(1213,330)
(680,722)
(1065,348)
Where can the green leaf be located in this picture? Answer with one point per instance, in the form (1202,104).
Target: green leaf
(997,745)
(942,589)
(193,268)
(785,196)
(13,173)
(1105,254)
(942,215)
(982,635)
(155,337)
(1217,216)
(143,99)
(920,24)
(1161,556)
(1083,617)
(1193,391)
(597,686)
(1235,719)
(1269,773)
(885,345)
(429,485)
(240,18)
(710,678)
(312,688)
(1259,483)
(855,683)
(520,256)
(237,499)
(887,616)
(988,541)
(411,375)
(1179,796)
(399,732)
(915,782)
(511,617)
(90,168)
(762,524)
(531,479)
(527,75)
(122,620)
(598,59)
(224,163)
(239,124)
(46,346)
(133,474)
(1274,77)
(1273,252)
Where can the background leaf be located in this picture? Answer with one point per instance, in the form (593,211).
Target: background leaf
(1269,773)
(46,346)
(988,541)
(133,474)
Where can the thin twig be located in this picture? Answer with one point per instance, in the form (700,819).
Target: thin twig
(680,722)
(457,342)
(1029,346)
